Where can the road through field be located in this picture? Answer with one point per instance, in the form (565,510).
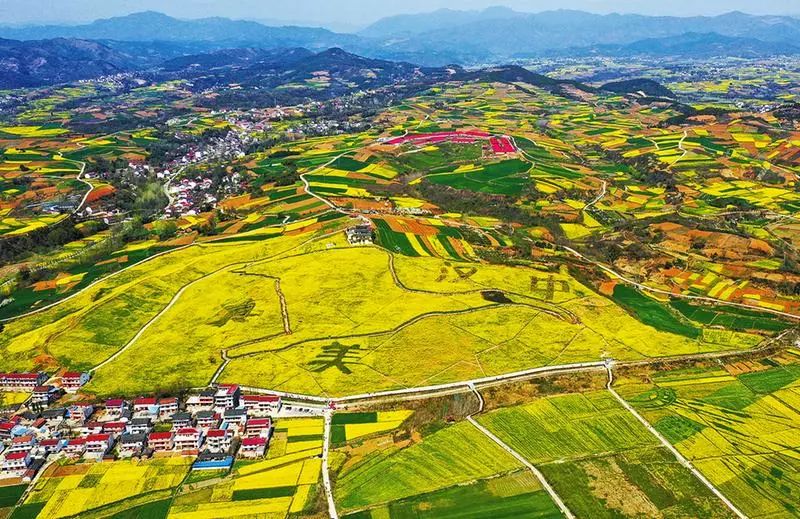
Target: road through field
(326,475)
(681,459)
(555,497)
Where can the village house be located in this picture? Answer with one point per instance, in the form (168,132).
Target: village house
(234,418)
(91,428)
(167,407)
(6,429)
(44,395)
(360,234)
(115,428)
(227,397)
(21,382)
(115,408)
(202,402)
(207,420)
(258,427)
(253,447)
(188,439)
(131,445)
(98,445)
(16,463)
(145,407)
(22,444)
(140,426)
(72,381)
(219,440)
(80,412)
(160,441)
(262,405)
(75,447)
(51,446)
(54,417)
(182,420)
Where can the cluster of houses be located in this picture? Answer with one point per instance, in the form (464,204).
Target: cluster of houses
(214,425)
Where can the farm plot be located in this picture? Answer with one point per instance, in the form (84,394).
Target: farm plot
(600,460)
(66,490)
(738,425)
(451,456)
(518,494)
(508,177)
(350,426)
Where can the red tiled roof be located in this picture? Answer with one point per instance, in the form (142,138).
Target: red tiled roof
(188,430)
(167,401)
(261,398)
(253,442)
(52,442)
(22,439)
(117,402)
(71,374)
(259,422)
(17,456)
(77,441)
(160,436)
(98,438)
(217,433)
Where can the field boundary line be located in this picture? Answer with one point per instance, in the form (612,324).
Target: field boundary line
(553,495)
(681,459)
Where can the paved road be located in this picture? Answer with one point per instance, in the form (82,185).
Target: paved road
(326,477)
(681,459)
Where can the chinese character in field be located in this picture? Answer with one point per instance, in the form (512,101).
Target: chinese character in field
(337,356)
(551,286)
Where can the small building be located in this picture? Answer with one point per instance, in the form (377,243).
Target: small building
(21,382)
(140,426)
(51,446)
(207,420)
(167,407)
(54,417)
(160,441)
(202,402)
(44,395)
(16,463)
(182,420)
(258,427)
(23,444)
(145,407)
(80,412)
(115,428)
(234,418)
(91,428)
(6,429)
(262,405)
(188,439)
(75,447)
(253,447)
(227,396)
(72,381)
(98,445)
(218,440)
(359,234)
(131,445)
(115,408)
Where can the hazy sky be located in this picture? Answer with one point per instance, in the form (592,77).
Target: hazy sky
(342,13)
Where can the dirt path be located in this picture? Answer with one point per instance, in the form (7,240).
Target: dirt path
(326,476)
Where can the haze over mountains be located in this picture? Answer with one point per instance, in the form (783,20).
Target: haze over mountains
(52,53)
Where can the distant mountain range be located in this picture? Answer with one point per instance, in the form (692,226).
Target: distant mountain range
(49,54)
(446,36)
